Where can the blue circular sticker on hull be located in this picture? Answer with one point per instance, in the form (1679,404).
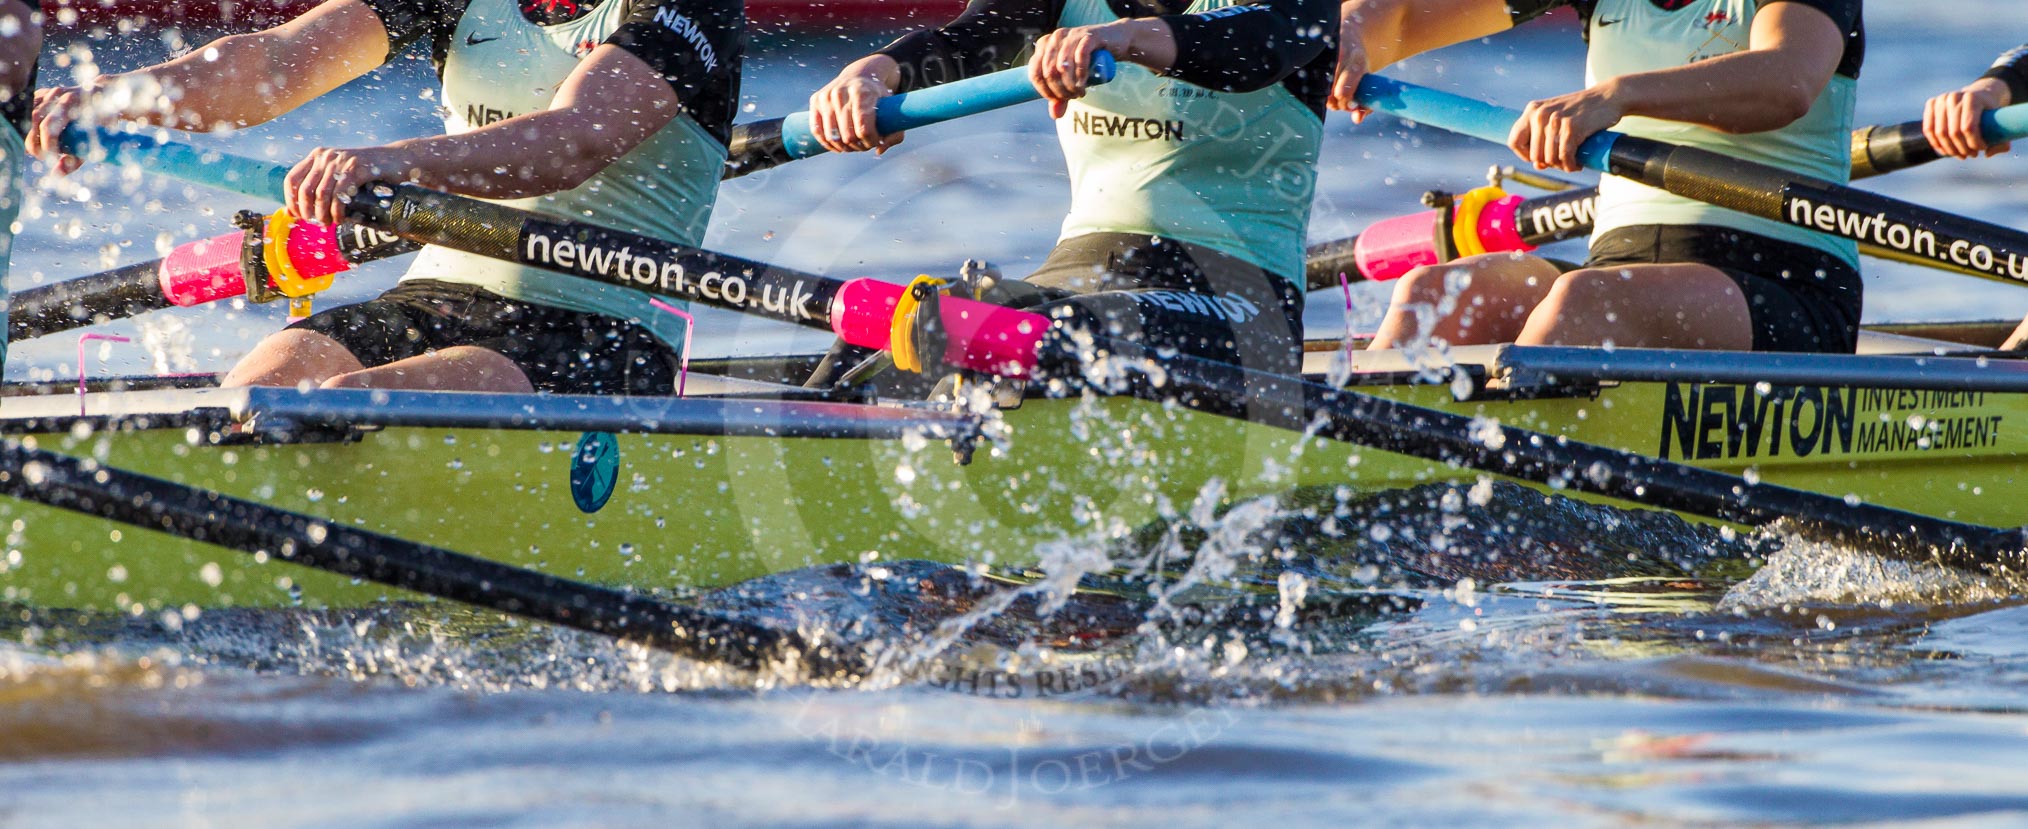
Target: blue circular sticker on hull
(594,468)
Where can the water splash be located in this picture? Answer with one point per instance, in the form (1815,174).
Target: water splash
(1812,572)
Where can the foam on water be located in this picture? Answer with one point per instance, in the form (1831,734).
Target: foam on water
(1807,572)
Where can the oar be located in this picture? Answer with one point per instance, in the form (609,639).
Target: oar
(1901,228)
(984,337)
(1008,342)
(207,270)
(84,486)
(763,144)
(194,274)
(1390,247)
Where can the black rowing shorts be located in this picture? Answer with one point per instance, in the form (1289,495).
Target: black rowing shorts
(1800,298)
(1171,296)
(566,352)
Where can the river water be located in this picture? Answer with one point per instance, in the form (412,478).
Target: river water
(1577,683)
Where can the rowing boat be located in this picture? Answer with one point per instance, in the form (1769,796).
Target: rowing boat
(539,505)
(748,475)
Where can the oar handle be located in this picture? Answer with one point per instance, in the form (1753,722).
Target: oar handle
(764,144)
(219,170)
(1465,116)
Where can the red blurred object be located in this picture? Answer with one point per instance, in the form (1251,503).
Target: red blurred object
(241,14)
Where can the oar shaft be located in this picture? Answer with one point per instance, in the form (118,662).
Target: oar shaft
(765,144)
(1755,189)
(83,486)
(983,336)
(1566,214)
(1365,420)
(75,303)
(207,270)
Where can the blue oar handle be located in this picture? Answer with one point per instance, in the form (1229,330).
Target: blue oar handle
(1478,119)
(222,171)
(1466,116)
(937,104)
(2005,124)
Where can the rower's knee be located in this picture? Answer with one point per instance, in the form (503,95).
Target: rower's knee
(292,357)
(1588,290)
(1430,284)
(349,380)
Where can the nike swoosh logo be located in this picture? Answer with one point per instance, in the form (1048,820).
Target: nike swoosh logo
(1604,23)
(473,39)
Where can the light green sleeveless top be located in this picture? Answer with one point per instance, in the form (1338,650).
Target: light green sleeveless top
(500,65)
(1629,36)
(1234,172)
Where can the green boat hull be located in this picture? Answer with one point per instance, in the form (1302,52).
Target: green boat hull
(670,508)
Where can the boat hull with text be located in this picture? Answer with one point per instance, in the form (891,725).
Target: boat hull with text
(743,478)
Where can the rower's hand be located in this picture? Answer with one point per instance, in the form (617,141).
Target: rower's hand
(1352,66)
(1061,68)
(842,112)
(1549,131)
(1951,121)
(323,183)
(55,109)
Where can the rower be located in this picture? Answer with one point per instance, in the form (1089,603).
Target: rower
(1770,81)
(1191,173)
(616,111)
(20,45)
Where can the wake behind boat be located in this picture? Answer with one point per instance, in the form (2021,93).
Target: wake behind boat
(750,475)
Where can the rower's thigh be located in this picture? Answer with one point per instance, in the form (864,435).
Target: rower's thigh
(458,368)
(292,357)
(1643,306)
(1477,299)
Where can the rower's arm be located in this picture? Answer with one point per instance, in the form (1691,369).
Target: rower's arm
(247,79)
(1376,34)
(608,106)
(2011,71)
(989,36)
(1791,55)
(1246,47)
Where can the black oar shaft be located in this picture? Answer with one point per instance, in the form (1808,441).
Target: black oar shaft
(602,254)
(1771,193)
(755,147)
(1886,148)
(1453,439)
(136,289)
(79,485)
(1876,150)
(75,303)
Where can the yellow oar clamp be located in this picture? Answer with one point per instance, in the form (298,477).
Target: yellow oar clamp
(902,333)
(289,282)
(1465,228)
